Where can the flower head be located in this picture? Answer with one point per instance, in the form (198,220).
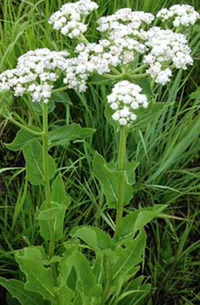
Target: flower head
(126,32)
(125,98)
(36,73)
(69,19)
(180,14)
(166,50)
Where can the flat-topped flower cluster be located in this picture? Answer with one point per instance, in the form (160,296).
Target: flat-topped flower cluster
(130,46)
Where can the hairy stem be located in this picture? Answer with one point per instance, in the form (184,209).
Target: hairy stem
(121,168)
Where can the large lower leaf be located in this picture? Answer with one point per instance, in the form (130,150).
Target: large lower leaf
(127,257)
(89,290)
(39,279)
(17,290)
(109,179)
(34,163)
(75,270)
(65,134)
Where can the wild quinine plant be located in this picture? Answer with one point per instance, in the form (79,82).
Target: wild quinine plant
(137,50)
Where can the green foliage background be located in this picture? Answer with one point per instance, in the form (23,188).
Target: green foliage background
(167,150)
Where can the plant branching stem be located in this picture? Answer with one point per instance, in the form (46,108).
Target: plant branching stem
(121,168)
(31,131)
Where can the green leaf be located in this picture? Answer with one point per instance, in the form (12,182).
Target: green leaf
(31,261)
(54,217)
(144,83)
(61,97)
(65,295)
(65,134)
(130,168)
(66,264)
(127,258)
(109,179)
(138,219)
(74,264)
(90,291)
(34,163)
(98,267)
(17,290)
(22,138)
(58,192)
(93,237)
(10,300)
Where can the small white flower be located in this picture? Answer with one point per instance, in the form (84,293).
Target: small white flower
(114,106)
(123,121)
(116,116)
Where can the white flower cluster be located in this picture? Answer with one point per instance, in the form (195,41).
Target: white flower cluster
(124,21)
(98,57)
(69,19)
(76,74)
(36,72)
(181,15)
(126,32)
(124,99)
(166,51)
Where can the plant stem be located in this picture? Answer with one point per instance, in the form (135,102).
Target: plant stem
(46,172)
(47,186)
(33,132)
(121,168)
(60,89)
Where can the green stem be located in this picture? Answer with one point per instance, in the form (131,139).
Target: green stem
(12,120)
(138,76)
(60,89)
(47,186)
(121,168)
(113,76)
(140,68)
